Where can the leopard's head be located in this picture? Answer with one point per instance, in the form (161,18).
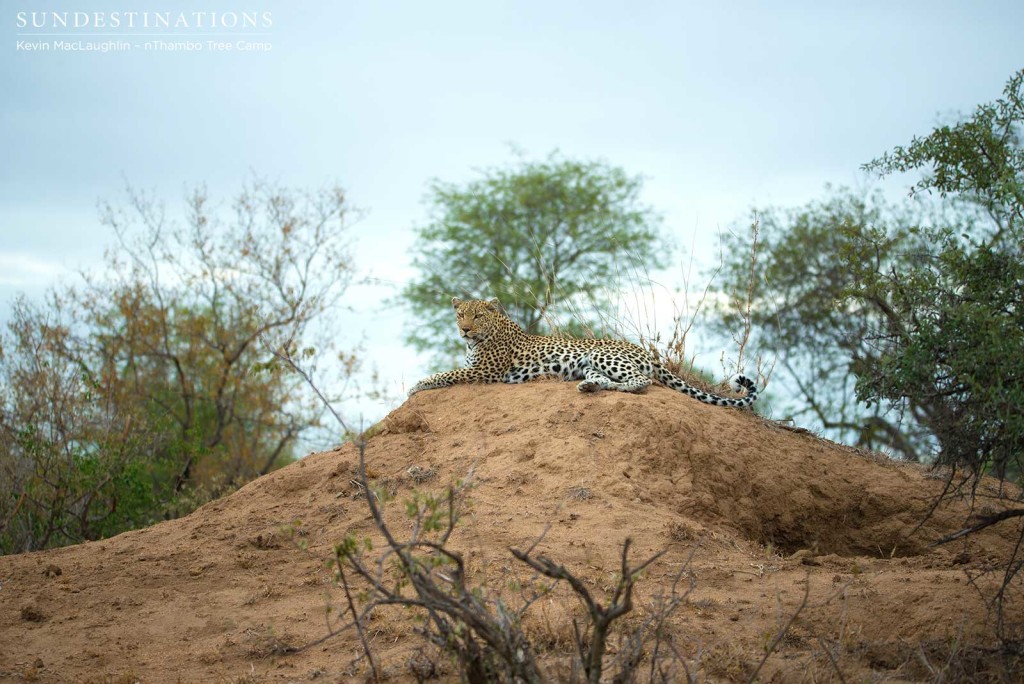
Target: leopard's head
(477,318)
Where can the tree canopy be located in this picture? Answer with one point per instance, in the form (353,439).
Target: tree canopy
(546,238)
(143,391)
(951,329)
(801,313)
(903,325)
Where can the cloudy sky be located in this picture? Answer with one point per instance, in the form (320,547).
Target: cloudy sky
(720,105)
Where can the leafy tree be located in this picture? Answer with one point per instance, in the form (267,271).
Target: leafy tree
(951,335)
(180,312)
(70,466)
(977,163)
(144,391)
(544,237)
(801,314)
(926,313)
(896,325)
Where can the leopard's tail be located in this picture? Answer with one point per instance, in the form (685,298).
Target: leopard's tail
(739,383)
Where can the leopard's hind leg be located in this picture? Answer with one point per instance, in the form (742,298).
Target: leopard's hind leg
(626,380)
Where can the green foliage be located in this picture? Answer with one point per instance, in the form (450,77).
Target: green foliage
(179,318)
(70,467)
(920,304)
(142,393)
(952,334)
(801,314)
(546,238)
(953,343)
(978,161)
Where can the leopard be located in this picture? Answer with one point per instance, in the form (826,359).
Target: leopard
(498,350)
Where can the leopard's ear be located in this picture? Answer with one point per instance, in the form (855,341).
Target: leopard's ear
(455,302)
(493,303)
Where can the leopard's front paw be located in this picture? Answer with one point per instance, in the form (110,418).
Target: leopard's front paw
(424,384)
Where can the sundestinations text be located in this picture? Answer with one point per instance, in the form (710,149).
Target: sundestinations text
(143,20)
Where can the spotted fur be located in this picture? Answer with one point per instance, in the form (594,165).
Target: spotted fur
(497,350)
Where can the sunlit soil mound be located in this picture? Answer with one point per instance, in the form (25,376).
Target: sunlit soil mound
(760,522)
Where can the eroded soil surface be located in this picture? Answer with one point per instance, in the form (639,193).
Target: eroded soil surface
(753,515)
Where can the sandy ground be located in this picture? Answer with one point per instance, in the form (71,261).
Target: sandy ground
(753,515)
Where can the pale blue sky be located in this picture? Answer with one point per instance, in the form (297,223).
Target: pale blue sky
(720,105)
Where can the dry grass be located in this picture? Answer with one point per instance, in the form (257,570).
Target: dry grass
(418,474)
(264,643)
(580,493)
(517,478)
(679,531)
(265,592)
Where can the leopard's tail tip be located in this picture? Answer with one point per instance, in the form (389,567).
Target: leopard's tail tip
(741,383)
